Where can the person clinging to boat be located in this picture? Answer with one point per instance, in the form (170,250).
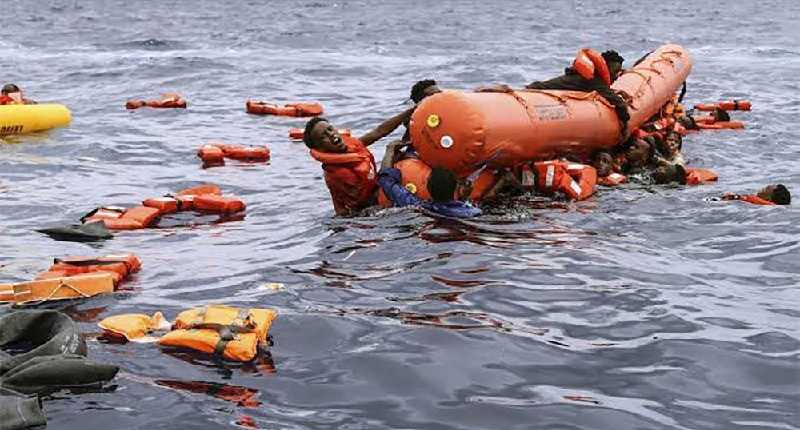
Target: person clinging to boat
(349,166)
(441,186)
(419,91)
(12,95)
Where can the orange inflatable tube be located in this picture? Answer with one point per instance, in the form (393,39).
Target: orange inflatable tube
(290,109)
(724,105)
(461,131)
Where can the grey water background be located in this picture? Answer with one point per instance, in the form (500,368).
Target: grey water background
(644,307)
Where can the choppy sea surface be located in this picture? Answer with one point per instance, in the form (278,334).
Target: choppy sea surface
(646,307)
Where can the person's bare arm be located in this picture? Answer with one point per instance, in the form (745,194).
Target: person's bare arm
(390,155)
(386,127)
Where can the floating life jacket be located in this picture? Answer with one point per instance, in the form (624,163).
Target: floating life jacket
(613,179)
(696,176)
(63,288)
(214,154)
(135,218)
(290,109)
(704,124)
(484,183)
(203,198)
(119,266)
(350,176)
(297,133)
(724,105)
(577,181)
(170,100)
(232,333)
(414,174)
(590,64)
(133,327)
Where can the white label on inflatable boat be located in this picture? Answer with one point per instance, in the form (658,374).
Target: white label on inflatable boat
(446,141)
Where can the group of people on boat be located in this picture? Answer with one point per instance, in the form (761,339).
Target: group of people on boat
(650,153)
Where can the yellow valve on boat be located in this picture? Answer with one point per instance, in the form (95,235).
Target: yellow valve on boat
(433,120)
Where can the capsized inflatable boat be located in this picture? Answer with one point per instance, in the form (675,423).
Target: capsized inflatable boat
(21,119)
(462,131)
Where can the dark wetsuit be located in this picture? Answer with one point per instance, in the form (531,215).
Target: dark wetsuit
(572,81)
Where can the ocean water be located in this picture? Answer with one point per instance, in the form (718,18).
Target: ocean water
(642,308)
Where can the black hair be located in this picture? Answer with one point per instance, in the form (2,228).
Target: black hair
(441,184)
(309,127)
(10,88)
(721,115)
(612,56)
(418,89)
(781,195)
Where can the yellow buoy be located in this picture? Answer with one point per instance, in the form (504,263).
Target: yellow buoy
(21,119)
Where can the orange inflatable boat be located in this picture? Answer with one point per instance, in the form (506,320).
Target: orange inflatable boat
(461,131)
(290,109)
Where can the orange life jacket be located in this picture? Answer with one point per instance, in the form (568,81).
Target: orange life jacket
(350,176)
(290,109)
(232,333)
(297,133)
(414,174)
(484,183)
(719,125)
(214,154)
(168,101)
(613,179)
(134,218)
(696,176)
(63,288)
(204,198)
(6,100)
(577,181)
(724,105)
(119,266)
(590,64)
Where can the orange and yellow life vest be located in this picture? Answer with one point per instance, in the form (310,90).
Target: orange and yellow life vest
(724,105)
(232,333)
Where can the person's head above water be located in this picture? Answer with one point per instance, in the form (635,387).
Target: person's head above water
(667,173)
(9,89)
(777,194)
(614,62)
(638,153)
(603,163)
(442,185)
(319,134)
(423,89)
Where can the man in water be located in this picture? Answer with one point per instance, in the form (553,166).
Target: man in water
(419,91)
(776,194)
(349,166)
(441,185)
(12,95)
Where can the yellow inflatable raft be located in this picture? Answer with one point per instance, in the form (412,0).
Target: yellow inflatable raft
(20,119)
